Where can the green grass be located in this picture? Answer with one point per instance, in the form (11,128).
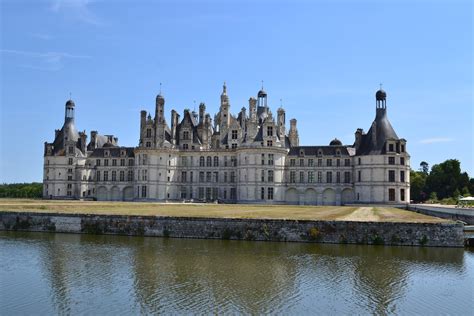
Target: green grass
(293,212)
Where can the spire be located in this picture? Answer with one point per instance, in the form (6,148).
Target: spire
(160,88)
(224,89)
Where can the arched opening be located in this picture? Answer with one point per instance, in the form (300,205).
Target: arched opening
(115,194)
(329,197)
(347,196)
(310,197)
(102,194)
(128,194)
(292,196)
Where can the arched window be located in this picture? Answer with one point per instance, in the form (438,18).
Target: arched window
(216,161)
(201,161)
(209,161)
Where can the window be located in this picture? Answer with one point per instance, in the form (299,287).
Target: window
(130,162)
(148,144)
(233,161)
(114,162)
(114,175)
(216,161)
(390,147)
(122,162)
(269,143)
(201,176)
(347,177)
(225,177)
(69,178)
(263,176)
(292,176)
(216,177)
(391,195)
(301,176)
(234,146)
(209,161)
(391,160)
(143,191)
(292,162)
(270,175)
(148,132)
(402,160)
(191,177)
(402,194)
(320,162)
(329,177)
(209,194)
(69,193)
(106,162)
(225,161)
(122,175)
(201,161)
(270,194)
(347,162)
(338,162)
(262,193)
(69,161)
(320,177)
(403,149)
(270,159)
(338,177)
(71,150)
(301,162)
(234,134)
(186,135)
(183,192)
(359,176)
(97,175)
(310,162)
(201,193)
(130,175)
(359,161)
(183,176)
(391,176)
(263,159)
(310,176)
(329,162)
(106,176)
(97,162)
(232,176)
(69,170)
(185,146)
(402,176)
(69,186)
(184,161)
(269,131)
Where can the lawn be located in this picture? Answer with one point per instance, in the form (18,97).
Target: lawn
(293,212)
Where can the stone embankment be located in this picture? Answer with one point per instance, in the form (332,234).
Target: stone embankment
(465,215)
(447,234)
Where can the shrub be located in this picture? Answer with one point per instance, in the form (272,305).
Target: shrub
(314,234)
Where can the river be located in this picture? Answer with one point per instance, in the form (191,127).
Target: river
(44,273)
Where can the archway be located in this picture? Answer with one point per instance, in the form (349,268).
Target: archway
(292,196)
(102,194)
(347,196)
(310,197)
(329,197)
(115,194)
(128,194)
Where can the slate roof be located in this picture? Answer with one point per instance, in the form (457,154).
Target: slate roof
(313,150)
(373,143)
(69,130)
(114,152)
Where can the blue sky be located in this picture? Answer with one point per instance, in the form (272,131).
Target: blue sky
(324,59)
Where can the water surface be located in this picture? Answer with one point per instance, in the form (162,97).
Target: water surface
(42,273)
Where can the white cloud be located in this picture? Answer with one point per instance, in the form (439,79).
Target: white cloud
(436,140)
(51,61)
(77,9)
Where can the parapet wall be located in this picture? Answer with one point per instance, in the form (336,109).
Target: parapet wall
(386,233)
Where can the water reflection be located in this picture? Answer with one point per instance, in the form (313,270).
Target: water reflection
(116,275)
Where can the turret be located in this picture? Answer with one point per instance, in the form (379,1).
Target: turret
(69,111)
(281,123)
(253,109)
(160,109)
(358,137)
(224,109)
(174,126)
(293,134)
(83,141)
(202,112)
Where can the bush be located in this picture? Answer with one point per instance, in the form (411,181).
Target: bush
(314,234)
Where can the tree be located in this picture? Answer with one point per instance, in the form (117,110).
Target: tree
(445,178)
(424,167)
(417,185)
(433,196)
(456,194)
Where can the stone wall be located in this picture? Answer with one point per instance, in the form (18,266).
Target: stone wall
(383,233)
(456,214)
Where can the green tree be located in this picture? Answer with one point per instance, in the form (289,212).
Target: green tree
(445,178)
(433,196)
(465,192)
(424,167)
(456,194)
(417,185)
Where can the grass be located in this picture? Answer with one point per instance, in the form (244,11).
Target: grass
(292,212)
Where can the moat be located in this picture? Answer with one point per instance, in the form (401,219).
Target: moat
(43,273)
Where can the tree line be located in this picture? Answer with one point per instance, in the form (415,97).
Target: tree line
(445,182)
(21,190)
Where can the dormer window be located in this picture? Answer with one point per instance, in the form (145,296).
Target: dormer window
(301,153)
(403,148)
(234,134)
(269,131)
(106,153)
(148,132)
(338,153)
(186,135)
(390,147)
(320,152)
(122,153)
(269,143)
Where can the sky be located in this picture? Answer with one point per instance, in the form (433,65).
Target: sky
(321,60)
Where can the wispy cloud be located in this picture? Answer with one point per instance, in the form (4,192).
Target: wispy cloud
(436,140)
(77,9)
(50,61)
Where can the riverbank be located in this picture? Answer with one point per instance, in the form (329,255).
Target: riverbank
(435,234)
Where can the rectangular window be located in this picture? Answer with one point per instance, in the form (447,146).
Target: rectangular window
(201,161)
(97,162)
(391,195)
(225,161)
(97,175)
(262,193)
(233,193)
(184,161)
(191,177)
(225,177)
(320,162)
(184,176)
(114,175)
(347,177)
(270,159)
(130,175)
(301,162)
(310,162)
(402,160)
(122,162)
(359,176)
(69,161)
(232,176)
(391,160)
(270,194)
(301,176)
(201,176)
(148,132)
(71,150)
(329,162)
(201,193)
(270,175)
(320,177)
(310,176)
(186,135)
(402,176)
(292,176)
(183,192)
(338,177)
(233,161)
(403,149)
(130,162)
(234,146)
(106,162)
(143,191)
(114,162)
(391,176)
(106,176)
(269,131)
(402,194)
(122,175)
(234,134)
(292,162)
(216,177)
(208,176)
(148,144)
(262,176)
(329,177)
(338,162)
(263,159)
(216,161)
(208,194)
(390,147)
(269,143)
(347,162)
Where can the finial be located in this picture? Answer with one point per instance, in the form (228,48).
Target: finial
(380,86)
(70,96)
(281,102)
(160,88)
(224,88)
(194,101)
(262,84)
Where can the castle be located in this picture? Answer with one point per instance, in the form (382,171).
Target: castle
(247,158)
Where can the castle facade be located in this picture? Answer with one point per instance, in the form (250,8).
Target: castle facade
(250,157)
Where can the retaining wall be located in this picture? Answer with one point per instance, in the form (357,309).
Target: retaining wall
(456,214)
(387,233)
